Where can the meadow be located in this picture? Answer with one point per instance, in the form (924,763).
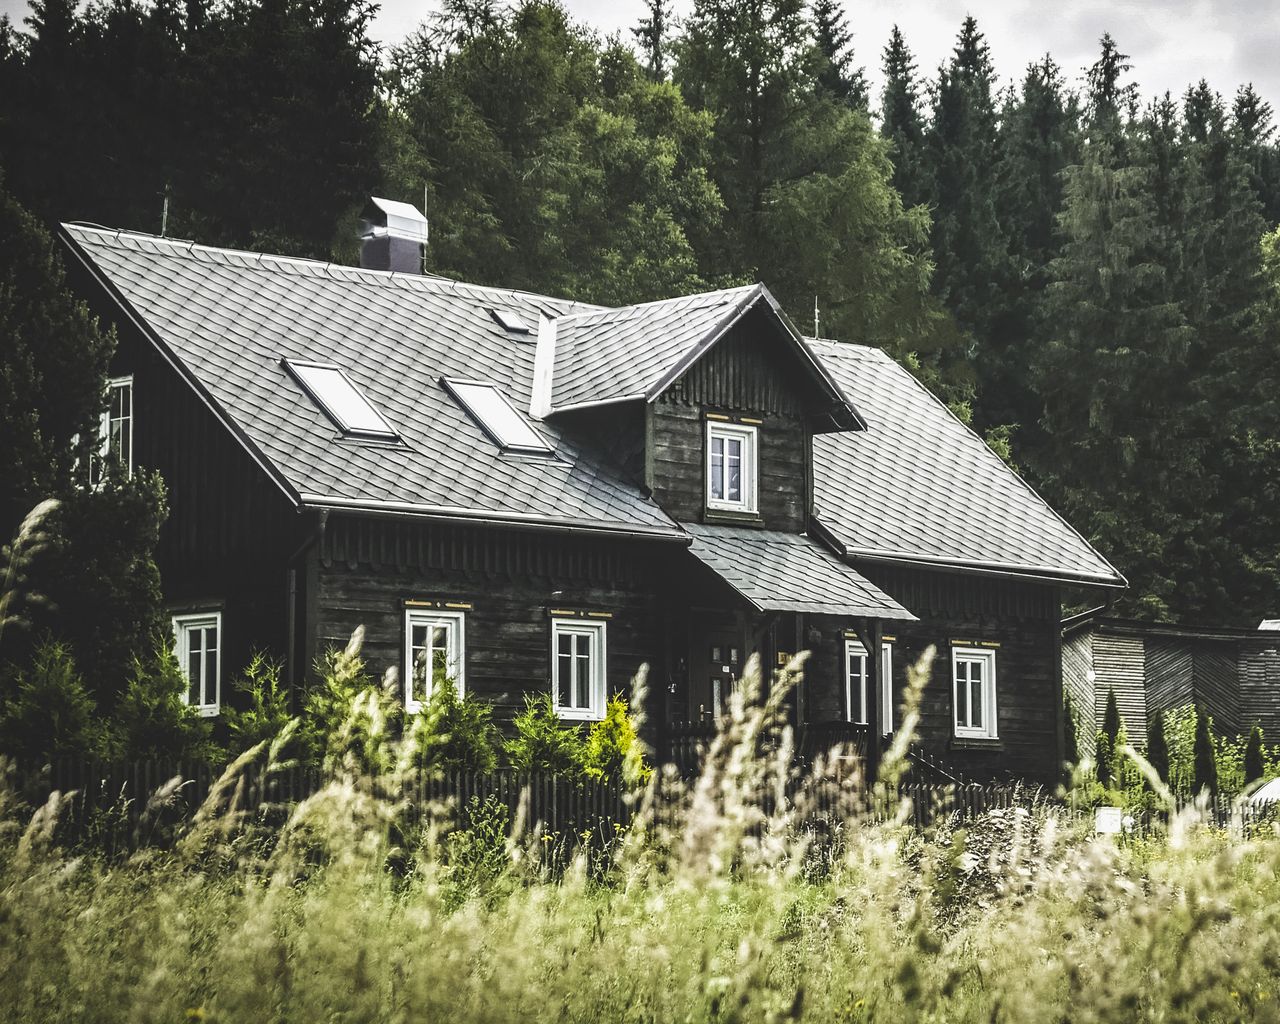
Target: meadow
(737,907)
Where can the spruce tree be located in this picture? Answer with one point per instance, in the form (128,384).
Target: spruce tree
(1104,759)
(962,146)
(1070,736)
(1253,766)
(653,34)
(1111,724)
(837,73)
(902,122)
(1253,131)
(1206,764)
(1158,747)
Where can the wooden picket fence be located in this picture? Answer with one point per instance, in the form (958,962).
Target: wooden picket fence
(120,806)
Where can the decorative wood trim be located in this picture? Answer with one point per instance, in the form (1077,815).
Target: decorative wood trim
(457,606)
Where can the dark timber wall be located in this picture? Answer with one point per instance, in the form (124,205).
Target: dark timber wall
(366,569)
(230,530)
(1023,618)
(747,373)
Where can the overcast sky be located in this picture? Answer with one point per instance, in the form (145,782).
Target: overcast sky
(1172,42)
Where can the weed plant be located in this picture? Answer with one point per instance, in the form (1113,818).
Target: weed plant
(723,902)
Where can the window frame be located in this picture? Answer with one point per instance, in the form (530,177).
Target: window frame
(598,634)
(749,436)
(456,659)
(100,458)
(463,392)
(854,648)
(183,624)
(985,656)
(385,433)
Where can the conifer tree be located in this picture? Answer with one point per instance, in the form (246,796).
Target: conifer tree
(1206,763)
(1158,746)
(837,74)
(902,123)
(1070,735)
(1253,766)
(653,33)
(1111,724)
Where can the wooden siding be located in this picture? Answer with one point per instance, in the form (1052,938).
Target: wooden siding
(367,569)
(1023,618)
(1259,681)
(1168,674)
(1078,679)
(230,530)
(1119,666)
(749,374)
(1217,685)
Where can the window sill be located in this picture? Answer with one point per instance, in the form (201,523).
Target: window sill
(208,711)
(977,743)
(724,515)
(578,716)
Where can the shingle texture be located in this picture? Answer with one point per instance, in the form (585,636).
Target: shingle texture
(613,354)
(231,317)
(783,572)
(917,483)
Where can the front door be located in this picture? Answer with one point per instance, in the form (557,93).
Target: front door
(715,666)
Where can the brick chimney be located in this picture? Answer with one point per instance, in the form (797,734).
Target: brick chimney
(392,236)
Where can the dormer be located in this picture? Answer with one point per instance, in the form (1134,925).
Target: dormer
(729,396)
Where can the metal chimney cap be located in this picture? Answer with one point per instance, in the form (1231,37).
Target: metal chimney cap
(389,217)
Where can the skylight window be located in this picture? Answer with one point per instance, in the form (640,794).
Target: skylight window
(495,414)
(510,321)
(341,400)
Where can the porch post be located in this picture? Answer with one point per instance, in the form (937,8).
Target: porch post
(872,639)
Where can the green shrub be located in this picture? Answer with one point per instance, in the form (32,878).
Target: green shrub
(542,743)
(153,720)
(1254,769)
(1104,758)
(612,750)
(1070,732)
(452,731)
(262,709)
(1157,747)
(348,721)
(50,713)
(1111,724)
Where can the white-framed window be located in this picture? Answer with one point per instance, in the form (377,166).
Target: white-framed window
(578,668)
(115,431)
(973,671)
(341,400)
(855,684)
(198,647)
(731,466)
(434,643)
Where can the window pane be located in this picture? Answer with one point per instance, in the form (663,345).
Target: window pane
(193,671)
(341,399)
(975,702)
(584,674)
(508,427)
(211,674)
(733,459)
(717,468)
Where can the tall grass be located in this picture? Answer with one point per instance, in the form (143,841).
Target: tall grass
(735,910)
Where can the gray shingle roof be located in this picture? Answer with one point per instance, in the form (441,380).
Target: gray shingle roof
(784,572)
(230,317)
(636,352)
(918,484)
(611,355)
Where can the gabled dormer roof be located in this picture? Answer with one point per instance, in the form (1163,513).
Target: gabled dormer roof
(634,353)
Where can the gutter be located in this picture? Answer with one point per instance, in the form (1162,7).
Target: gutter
(513,520)
(978,568)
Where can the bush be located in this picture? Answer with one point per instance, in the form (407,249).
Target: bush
(1206,766)
(155,722)
(262,711)
(1070,732)
(1157,747)
(612,750)
(347,720)
(50,713)
(452,731)
(1254,769)
(542,743)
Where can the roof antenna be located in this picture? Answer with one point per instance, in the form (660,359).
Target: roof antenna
(164,214)
(426,214)
(815,317)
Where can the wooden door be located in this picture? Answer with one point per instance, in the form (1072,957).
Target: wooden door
(715,666)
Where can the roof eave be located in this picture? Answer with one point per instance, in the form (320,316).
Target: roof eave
(510,520)
(1047,574)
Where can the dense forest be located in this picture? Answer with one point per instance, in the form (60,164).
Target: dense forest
(1089,275)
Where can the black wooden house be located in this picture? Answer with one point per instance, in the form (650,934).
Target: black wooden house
(534,494)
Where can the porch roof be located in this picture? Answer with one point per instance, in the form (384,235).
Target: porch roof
(785,572)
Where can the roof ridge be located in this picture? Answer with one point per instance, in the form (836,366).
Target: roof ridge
(632,307)
(183,247)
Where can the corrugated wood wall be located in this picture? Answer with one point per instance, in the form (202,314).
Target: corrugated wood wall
(1258,665)
(1118,664)
(1217,686)
(1077,678)
(1169,671)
